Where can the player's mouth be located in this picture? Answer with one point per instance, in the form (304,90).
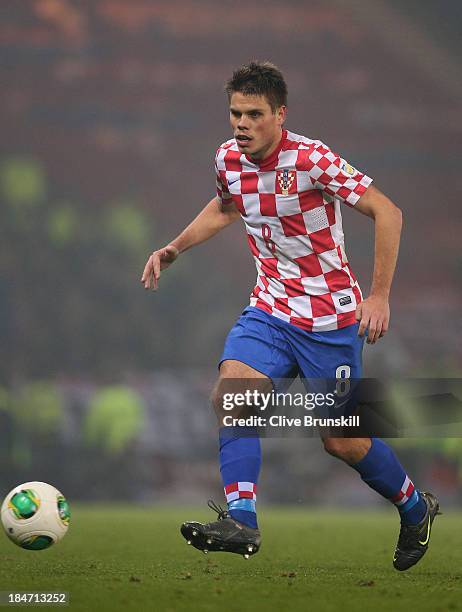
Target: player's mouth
(242,139)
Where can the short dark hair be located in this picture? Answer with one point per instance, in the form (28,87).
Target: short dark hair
(259,79)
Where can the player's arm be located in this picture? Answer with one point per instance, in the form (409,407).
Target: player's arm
(374,312)
(214,217)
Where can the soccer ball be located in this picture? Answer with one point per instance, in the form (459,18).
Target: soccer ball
(35,515)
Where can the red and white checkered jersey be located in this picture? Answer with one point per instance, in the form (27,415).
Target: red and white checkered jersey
(290,204)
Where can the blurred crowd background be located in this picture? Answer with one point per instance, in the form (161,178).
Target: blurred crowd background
(111,112)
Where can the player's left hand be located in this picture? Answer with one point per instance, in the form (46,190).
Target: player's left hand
(374,315)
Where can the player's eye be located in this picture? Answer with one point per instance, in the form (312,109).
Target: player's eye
(236,114)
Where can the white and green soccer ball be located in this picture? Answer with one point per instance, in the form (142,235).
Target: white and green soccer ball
(35,515)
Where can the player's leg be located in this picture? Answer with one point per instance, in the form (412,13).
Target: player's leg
(325,355)
(236,529)
(380,468)
(329,355)
(240,451)
(255,355)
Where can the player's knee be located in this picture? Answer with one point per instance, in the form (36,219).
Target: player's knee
(342,448)
(350,450)
(222,395)
(334,446)
(217,397)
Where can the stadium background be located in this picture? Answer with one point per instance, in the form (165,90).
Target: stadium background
(111,112)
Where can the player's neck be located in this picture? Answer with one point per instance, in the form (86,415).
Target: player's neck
(266,153)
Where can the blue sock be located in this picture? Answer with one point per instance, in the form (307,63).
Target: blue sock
(240,460)
(382,471)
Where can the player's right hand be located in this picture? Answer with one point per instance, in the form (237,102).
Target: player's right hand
(158,261)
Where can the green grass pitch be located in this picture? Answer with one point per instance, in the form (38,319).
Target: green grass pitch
(120,558)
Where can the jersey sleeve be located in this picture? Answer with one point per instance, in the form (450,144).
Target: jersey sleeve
(332,174)
(223,195)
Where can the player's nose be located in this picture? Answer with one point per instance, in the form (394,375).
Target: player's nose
(243,123)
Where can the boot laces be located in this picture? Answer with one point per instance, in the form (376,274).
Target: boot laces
(222,513)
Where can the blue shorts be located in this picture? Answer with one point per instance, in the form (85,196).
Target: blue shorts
(282,351)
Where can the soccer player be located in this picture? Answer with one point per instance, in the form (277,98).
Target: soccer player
(306,314)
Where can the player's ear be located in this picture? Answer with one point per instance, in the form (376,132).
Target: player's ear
(281,113)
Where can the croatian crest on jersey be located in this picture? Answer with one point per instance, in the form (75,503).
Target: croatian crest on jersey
(285,182)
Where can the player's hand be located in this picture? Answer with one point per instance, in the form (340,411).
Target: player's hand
(373,315)
(158,261)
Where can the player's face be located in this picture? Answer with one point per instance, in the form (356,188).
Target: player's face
(256,128)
